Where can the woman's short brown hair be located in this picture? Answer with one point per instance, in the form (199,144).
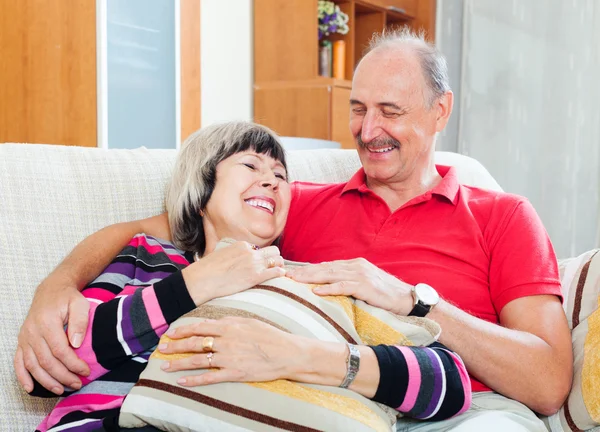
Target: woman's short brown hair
(194,174)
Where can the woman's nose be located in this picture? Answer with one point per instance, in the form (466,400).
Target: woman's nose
(269,181)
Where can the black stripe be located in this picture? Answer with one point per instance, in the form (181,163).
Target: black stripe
(105,343)
(106,286)
(173,297)
(393,376)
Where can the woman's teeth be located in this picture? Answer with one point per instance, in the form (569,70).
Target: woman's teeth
(262,204)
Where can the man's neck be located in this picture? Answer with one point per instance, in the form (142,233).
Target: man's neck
(396,194)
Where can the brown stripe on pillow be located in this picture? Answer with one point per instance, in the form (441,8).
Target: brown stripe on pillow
(312,307)
(217,312)
(224,406)
(572,426)
(579,291)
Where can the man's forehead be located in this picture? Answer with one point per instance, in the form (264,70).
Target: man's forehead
(383,78)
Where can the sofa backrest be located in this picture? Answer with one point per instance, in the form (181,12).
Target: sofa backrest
(51,197)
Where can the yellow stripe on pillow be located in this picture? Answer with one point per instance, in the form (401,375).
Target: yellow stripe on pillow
(334,402)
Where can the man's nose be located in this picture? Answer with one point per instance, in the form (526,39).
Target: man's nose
(371,128)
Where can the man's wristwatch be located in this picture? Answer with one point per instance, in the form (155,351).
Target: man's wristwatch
(425,298)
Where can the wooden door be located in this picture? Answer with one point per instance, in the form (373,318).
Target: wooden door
(190,67)
(48,71)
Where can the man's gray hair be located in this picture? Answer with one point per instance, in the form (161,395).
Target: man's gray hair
(433,62)
(195,174)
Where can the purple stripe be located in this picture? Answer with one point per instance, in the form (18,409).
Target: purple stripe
(438,378)
(87,427)
(127,326)
(145,277)
(125,269)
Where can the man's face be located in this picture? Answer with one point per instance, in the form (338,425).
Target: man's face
(390,116)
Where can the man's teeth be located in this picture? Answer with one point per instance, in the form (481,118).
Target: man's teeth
(260,203)
(382,150)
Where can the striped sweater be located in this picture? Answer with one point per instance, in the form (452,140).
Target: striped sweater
(142,291)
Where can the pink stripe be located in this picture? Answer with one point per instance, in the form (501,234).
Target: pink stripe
(154,249)
(155,315)
(466,381)
(98,294)
(414,380)
(86,353)
(85,403)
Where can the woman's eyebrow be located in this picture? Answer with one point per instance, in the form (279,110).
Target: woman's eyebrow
(261,158)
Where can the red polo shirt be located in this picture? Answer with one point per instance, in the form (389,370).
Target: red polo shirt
(479,249)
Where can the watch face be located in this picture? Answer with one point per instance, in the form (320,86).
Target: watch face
(426,294)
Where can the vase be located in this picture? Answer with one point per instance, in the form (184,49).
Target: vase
(325,58)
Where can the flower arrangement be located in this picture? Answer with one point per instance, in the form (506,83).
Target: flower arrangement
(331,19)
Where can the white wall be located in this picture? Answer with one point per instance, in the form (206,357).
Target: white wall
(226,30)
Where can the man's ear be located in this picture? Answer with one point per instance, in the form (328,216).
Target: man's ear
(443,106)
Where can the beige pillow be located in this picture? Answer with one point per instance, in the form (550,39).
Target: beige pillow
(581,291)
(278,405)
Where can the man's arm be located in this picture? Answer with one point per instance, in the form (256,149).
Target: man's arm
(528,357)
(43,348)
(532,342)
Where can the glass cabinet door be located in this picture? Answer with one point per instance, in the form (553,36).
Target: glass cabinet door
(139,73)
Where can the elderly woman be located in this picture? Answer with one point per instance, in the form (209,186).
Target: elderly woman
(230,181)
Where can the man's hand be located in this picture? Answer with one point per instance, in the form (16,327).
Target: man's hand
(43,348)
(360,279)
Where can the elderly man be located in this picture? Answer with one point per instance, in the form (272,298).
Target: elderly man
(403,235)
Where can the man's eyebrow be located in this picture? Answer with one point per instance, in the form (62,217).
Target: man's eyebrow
(390,105)
(380,104)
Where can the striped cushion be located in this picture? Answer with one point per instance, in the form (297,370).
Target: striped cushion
(581,290)
(278,405)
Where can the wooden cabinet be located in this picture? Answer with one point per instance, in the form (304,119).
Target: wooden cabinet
(311,109)
(289,95)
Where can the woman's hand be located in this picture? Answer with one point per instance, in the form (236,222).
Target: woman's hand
(360,279)
(243,350)
(230,270)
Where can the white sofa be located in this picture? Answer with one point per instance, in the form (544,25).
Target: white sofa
(51,197)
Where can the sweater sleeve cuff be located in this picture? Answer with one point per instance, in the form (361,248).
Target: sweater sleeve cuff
(173,297)
(393,376)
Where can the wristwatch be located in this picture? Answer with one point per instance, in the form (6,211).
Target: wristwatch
(425,298)
(352,365)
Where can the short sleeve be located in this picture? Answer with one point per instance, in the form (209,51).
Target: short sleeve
(522,259)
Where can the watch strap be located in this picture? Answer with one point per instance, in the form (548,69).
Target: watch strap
(420,310)
(352,365)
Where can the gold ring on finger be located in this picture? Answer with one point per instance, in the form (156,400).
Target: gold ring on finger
(209,357)
(271,263)
(207,343)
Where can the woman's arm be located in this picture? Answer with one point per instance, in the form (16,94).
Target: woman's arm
(126,320)
(43,348)
(251,350)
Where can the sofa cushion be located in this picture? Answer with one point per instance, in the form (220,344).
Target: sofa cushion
(580,278)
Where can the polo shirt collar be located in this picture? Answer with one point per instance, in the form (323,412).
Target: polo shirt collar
(448,187)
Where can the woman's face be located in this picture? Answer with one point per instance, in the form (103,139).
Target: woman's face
(250,201)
